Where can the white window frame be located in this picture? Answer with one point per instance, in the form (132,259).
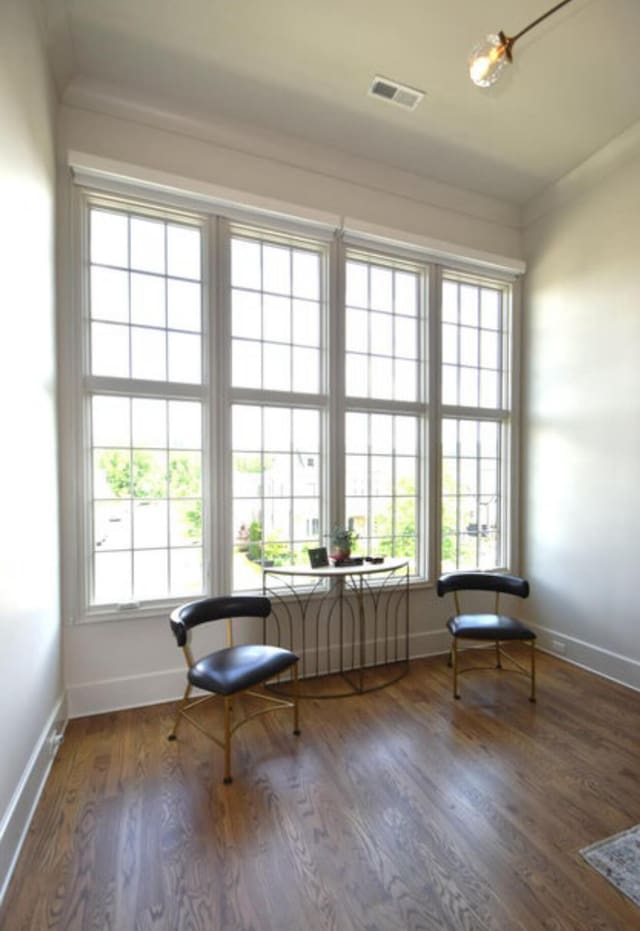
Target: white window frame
(217,394)
(260,397)
(505,415)
(77,539)
(421,408)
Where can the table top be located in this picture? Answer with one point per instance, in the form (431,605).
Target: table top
(367,568)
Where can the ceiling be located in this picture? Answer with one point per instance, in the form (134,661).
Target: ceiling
(303,69)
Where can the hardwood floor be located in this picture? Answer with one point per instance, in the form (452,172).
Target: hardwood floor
(396,810)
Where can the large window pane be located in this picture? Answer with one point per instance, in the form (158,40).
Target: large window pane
(147,496)
(276,489)
(382,467)
(471,495)
(473,334)
(382,331)
(275,321)
(150,309)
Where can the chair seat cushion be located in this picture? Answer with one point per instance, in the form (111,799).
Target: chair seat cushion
(489,627)
(235,668)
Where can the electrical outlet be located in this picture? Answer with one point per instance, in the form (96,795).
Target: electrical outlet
(559,647)
(55,739)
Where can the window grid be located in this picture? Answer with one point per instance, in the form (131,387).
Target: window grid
(280,335)
(371,371)
(143,526)
(391,337)
(472,503)
(277,516)
(385,318)
(475,332)
(472,349)
(388,526)
(129,478)
(173,346)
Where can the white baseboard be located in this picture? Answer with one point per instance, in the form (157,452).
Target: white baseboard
(151,688)
(168,684)
(596,659)
(605,663)
(17,818)
(430,643)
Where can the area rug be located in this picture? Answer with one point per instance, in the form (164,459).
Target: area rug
(617,858)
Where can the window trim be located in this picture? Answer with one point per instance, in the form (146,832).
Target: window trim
(217,394)
(506,416)
(261,397)
(421,407)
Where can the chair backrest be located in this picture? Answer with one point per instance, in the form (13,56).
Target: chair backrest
(189,615)
(483,582)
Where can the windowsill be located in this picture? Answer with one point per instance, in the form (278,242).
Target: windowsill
(162,610)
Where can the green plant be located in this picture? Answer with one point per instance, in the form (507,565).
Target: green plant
(343,539)
(254,550)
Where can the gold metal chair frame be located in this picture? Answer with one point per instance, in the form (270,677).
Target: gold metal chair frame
(230,727)
(499,651)
(500,654)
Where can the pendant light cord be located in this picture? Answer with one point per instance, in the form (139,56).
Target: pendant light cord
(539,19)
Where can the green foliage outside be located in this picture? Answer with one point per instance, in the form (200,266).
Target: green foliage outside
(252,464)
(270,551)
(142,476)
(403,542)
(449,517)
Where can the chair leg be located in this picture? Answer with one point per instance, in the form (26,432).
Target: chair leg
(173,735)
(296,701)
(498,659)
(532,697)
(227,740)
(454,660)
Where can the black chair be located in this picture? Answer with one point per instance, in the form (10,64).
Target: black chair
(494,627)
(231,670)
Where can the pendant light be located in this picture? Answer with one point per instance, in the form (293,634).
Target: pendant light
(490,57)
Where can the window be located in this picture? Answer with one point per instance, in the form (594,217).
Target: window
(147,498)
(382,482)
(275,313)
(385,364)
(145,435)
(383,331)
(475,424)
(277,316)
(276,489)
(235,408)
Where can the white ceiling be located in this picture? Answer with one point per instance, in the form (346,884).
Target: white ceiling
(303,69)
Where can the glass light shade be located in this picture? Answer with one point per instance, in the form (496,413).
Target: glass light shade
(487,60)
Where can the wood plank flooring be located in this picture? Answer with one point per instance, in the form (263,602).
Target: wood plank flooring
(396,810)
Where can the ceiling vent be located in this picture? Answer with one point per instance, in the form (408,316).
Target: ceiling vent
(400,94)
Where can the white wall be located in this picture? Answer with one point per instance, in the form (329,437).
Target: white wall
(581,521)
(30,679)
(128,662)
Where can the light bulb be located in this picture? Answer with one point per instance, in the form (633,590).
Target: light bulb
(487,59)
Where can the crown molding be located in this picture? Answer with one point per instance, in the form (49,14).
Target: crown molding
(86,94)
(585,176)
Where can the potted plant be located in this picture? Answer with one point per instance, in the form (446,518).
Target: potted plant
(342,541)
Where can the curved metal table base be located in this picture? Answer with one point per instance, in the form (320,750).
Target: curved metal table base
(349,622)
